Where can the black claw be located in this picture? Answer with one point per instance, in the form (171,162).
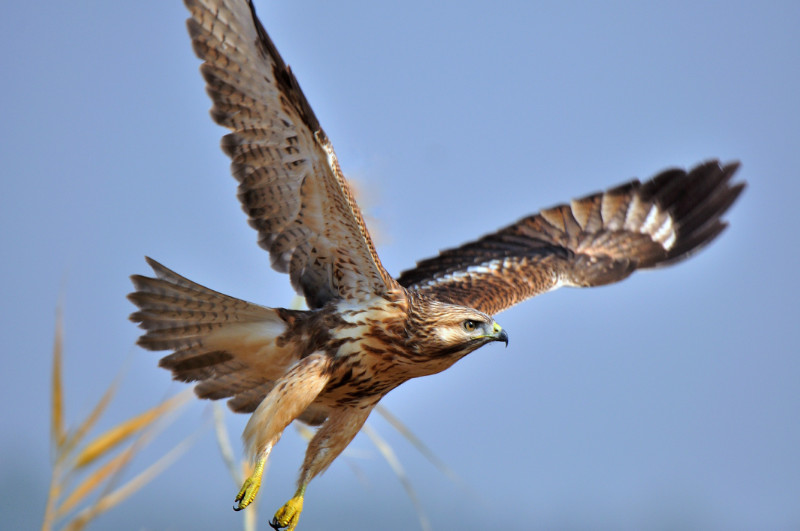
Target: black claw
(237,508)
(275,525)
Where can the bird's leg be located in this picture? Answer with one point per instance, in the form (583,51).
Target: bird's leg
(251,485)
(290,396)
(335,434)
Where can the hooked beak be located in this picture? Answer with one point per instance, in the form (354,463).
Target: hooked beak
(499,334)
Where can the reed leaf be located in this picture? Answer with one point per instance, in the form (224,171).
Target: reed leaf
(94,480)
(57,431)
(120,494)
(421,447)
(74,438)
(224,443)
(388,454)
(112,438)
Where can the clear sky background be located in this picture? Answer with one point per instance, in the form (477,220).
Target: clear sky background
(671,400)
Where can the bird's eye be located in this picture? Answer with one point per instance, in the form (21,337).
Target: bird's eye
(470,325)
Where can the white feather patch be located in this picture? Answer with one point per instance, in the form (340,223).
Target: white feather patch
(665,234)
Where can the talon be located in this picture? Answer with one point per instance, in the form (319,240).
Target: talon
(250,486)
(288,515)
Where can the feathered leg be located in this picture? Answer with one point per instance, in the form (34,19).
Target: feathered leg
(329,441)
(291,395)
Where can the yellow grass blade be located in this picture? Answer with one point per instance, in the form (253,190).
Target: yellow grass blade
(111,500)
(49,511)
(120,461)
(94,480)
(75,438)
(109,440)
(57,429)
(391,458)
(58,432)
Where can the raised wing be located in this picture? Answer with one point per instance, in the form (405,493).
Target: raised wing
(599,239)
(290,183)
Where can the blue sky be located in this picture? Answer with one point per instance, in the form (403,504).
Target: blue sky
(670,400)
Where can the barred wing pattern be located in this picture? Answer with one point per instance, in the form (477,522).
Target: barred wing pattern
(290,183)
(599,239)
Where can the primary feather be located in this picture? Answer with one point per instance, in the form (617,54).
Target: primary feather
(599,239)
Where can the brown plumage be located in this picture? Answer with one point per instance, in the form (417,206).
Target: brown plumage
(365,333)
(596,240)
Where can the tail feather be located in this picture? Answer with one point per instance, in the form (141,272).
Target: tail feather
(189,361)
(227,344)
(247,401)
(225,385)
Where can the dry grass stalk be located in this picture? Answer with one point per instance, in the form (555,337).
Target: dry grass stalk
(71,458)
(388,454)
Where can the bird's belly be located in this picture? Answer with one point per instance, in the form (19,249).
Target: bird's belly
(361,378)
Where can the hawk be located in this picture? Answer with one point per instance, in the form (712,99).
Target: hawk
(366,332)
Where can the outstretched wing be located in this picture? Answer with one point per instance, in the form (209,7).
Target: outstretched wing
(290,184)
(599,239)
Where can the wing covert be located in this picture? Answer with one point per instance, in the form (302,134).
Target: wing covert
(598,239)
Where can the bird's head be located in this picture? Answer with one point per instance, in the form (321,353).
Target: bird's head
(444,333)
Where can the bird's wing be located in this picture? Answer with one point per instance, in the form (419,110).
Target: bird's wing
(290,183)
(599,239)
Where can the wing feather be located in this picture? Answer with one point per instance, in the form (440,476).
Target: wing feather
(290,183)
(599,239)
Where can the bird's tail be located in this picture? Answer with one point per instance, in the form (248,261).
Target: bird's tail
(227,344)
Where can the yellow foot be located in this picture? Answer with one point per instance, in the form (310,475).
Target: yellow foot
(288,515)
(250,487)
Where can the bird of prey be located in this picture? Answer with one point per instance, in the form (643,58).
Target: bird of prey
(366,332)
